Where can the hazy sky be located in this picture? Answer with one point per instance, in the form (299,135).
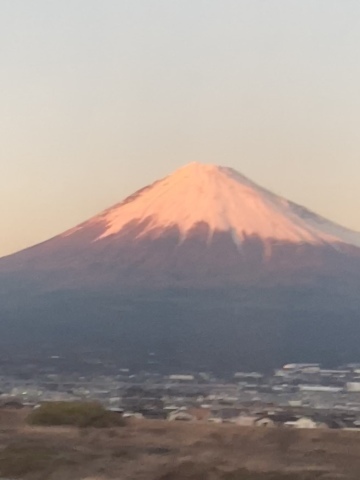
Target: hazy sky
(99,97)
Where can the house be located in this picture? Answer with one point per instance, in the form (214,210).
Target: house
(119,411)
(137,416)
(265,422)
(302,422)
(274,419)
(245,421)
(181,415)
(214,420)
(200,414)
(190,414)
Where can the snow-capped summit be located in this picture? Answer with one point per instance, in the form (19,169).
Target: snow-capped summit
(201,224)
(224,201)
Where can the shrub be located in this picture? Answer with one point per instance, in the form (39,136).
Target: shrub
(79,414)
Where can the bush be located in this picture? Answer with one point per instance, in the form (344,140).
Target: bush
(79,414)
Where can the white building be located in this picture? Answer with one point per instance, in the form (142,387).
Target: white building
(319,388)
(302,422)
(353,386)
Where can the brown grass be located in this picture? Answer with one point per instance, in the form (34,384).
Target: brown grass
(159,450)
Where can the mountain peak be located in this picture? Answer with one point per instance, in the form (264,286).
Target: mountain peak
(197,169)
(222,199)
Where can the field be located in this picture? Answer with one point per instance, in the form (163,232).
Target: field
(159,450)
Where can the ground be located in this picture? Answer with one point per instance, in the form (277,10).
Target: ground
(160,450)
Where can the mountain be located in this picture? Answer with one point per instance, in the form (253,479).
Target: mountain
(202,261)
(202,220)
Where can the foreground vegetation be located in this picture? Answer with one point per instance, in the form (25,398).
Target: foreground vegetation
(41,462)
(160,450)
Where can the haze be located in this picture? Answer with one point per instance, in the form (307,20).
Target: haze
(101,98)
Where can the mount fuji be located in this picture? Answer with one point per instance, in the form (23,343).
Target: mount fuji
(201,263)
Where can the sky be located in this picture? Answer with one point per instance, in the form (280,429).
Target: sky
(99,98)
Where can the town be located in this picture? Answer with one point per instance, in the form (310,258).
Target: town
(295,395)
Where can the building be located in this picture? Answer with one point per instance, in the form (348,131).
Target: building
(302,422)
(265,422)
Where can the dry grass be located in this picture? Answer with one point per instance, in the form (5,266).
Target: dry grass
(156,450)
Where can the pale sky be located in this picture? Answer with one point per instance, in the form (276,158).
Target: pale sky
(101,97)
